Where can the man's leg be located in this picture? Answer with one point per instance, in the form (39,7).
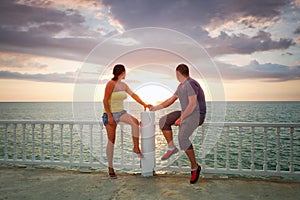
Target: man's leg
(195,168)
(186,129)
(168,134)
(191,155)
(165,124)
(190,151)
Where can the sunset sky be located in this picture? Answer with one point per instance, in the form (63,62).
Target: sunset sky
(54,50)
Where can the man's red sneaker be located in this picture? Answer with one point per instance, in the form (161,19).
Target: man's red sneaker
(195,175)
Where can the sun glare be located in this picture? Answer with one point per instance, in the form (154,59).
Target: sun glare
(153,93)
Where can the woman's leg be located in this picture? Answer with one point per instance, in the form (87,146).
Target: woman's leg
(111,136)
(134,123)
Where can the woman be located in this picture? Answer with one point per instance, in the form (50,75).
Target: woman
(115,94)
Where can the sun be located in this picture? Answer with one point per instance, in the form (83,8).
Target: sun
(154,93)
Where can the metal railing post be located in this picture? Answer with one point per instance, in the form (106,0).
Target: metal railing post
(148,142)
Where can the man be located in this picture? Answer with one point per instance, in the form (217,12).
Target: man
(192,115)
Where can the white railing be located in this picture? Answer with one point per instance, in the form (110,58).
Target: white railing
(259,149)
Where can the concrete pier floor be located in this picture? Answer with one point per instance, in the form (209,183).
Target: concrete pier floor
(21,183)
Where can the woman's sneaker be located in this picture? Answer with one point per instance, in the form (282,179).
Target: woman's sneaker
(195,175)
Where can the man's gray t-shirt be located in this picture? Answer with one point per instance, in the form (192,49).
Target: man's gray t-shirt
(188,88)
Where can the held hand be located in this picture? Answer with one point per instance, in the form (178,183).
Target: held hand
(149,106)
(153,108)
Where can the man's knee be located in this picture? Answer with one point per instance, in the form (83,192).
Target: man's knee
(163,125)
(184,143)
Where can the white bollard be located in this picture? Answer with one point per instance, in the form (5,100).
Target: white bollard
(148,142)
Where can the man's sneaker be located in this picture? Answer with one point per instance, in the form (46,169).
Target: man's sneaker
(169,153)
(195,175)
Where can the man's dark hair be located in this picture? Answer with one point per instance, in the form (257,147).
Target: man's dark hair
(183,69)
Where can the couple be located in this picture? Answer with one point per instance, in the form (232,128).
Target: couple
(192,115)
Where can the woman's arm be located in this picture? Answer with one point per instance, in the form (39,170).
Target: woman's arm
(136,97)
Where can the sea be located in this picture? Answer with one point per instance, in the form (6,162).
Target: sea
(232,111)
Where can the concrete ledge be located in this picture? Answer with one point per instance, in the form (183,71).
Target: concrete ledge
(19,183)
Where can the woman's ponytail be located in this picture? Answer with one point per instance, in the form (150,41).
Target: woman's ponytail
(118,69)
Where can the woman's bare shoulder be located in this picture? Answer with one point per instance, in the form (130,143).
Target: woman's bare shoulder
(110,84)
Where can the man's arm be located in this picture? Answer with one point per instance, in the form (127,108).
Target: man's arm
(189,109)
(165,104)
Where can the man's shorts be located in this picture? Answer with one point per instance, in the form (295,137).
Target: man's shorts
(168,120)
(186,128)
(115,115)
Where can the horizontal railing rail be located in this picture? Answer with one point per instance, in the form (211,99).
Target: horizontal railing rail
(243,148)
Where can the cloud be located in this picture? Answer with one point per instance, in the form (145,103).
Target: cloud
(52,77)
(77,77)
(297,3)
(287,53)
(170,13)
(42,27)
(68,77)
(254,70)
(23,17)
(243,44)
(297,31)
(198,18)
(64,29)
(17,61)
(66,48)
(72,4)
(266,72)
(45,31)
